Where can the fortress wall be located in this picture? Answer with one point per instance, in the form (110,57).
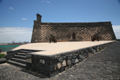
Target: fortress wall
(64,31)
(36,34)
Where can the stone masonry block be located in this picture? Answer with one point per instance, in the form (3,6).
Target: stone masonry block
(59,65)
(64,63)
(68,62)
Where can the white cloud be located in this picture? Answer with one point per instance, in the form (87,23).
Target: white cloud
(16,34)
(11,8)
(23,18)
(116,29)
(46,1)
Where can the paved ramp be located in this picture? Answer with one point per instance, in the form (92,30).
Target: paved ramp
(59,47)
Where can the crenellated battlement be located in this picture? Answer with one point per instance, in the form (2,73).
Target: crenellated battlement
(78,24)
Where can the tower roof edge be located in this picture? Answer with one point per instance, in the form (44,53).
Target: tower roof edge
(38,14)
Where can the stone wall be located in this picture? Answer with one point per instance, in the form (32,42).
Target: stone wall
(65,31)
(52,65)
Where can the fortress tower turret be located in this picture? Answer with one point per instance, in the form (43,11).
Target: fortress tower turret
(38,17)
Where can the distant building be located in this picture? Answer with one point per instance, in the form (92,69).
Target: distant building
(71,31)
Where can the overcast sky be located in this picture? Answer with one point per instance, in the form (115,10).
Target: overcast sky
(17,16)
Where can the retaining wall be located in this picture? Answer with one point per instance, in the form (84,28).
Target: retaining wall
(52,65)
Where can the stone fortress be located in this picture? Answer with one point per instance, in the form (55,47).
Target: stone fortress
(51,59)
(71,31)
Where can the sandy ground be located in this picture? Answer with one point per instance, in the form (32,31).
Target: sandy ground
(50,49)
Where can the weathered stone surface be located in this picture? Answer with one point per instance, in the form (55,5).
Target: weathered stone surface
(55,67)
(51,68)
(93,51)
(64,57)
(64,63)
(66,68)
(86,55)
(29,60)
(69,62)
(54,73)
(82,52)
(73,61)
(80,59)
(60,59)
(69,57)
(71,31)
(62,69)
(82,56)
(74,56)
(59,65)
(76,60)
(42,61)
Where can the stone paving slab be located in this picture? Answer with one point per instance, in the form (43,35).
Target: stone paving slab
(101,66)
(59,47)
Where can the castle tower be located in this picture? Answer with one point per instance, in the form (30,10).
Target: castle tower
(36,29)
(38,17)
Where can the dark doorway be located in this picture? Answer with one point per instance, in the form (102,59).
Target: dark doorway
(73,36)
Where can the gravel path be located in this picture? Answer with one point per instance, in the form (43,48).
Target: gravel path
(102,66)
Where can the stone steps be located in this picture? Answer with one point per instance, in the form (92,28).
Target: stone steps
(16,63)
(22,54)
(19,60)
(20,57)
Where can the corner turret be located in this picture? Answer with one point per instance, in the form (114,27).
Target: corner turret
(38,17)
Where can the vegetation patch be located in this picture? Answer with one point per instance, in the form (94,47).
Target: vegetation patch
(99,50)
(2,55)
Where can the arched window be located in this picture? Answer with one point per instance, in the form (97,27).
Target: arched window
(73,36)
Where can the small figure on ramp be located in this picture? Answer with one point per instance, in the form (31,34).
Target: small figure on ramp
(52,38)
(95,37)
